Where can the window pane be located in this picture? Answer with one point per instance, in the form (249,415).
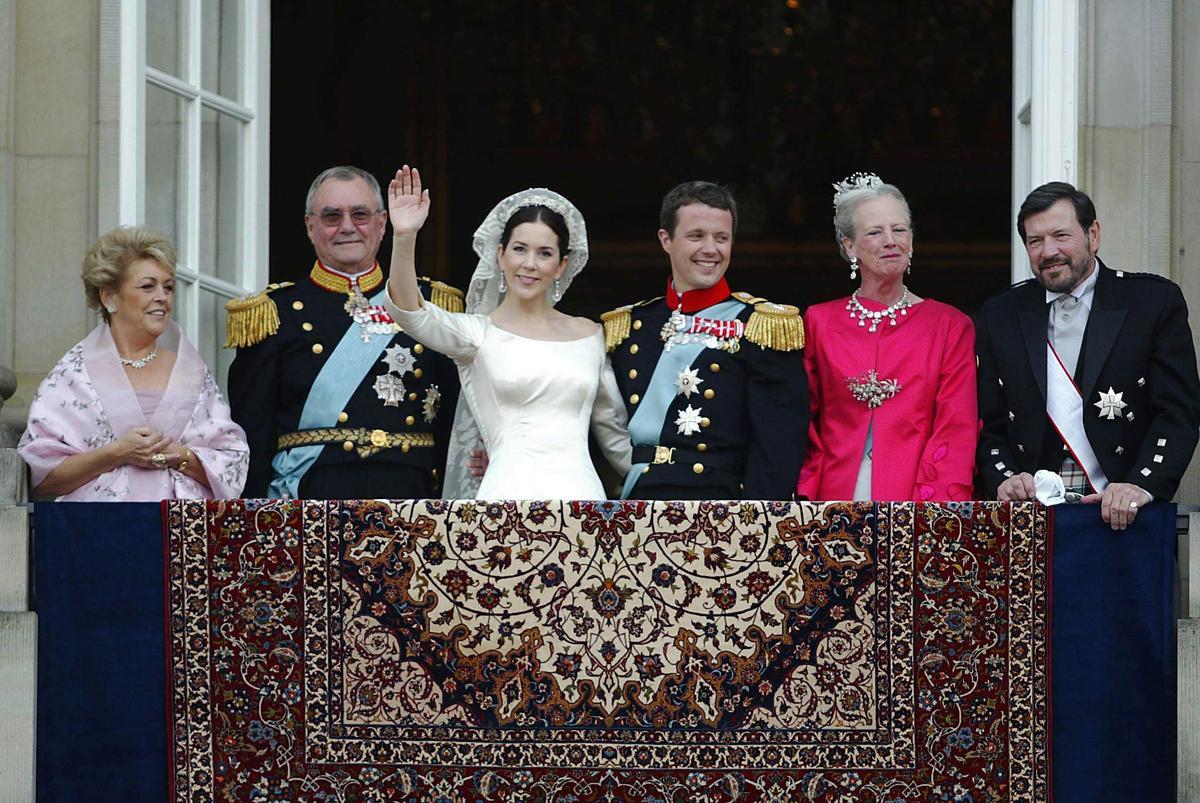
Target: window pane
(164,142)
(211,336)
(165,31)
(220,55)
(220,194)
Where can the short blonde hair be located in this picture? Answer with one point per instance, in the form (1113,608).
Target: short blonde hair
(106,262)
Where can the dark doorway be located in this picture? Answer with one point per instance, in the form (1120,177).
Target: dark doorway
(613,104)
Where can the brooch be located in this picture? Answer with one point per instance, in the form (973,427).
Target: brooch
(872,391)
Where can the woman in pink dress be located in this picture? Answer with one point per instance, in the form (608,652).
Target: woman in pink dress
(891,375)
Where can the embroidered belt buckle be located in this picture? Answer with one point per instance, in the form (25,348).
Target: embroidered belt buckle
(379,438)
(664,454)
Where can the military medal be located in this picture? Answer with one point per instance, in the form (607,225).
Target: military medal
(399,360)
(712,332)
(1111,405)
(688,382)
(432,403)
(688,420)
(371,320)
(390,389)
(872,391)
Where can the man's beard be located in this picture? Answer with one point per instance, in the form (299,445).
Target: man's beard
(1069,280)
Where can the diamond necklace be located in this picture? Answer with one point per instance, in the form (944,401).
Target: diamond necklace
(857,310)
(142,362)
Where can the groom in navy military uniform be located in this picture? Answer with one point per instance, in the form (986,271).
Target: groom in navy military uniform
(1100,385)
(714,381)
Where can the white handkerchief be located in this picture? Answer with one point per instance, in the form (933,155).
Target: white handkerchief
(1049,488)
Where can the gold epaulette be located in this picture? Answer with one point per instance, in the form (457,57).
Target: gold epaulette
(617,324)
(746,298)
(447,297)
(252,318)
(775,326)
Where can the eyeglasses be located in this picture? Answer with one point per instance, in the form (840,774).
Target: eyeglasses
(334,217)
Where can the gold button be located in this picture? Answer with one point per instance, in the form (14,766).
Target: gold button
(645,469)
(708,394)
(634,399)
(701,447)
(418,349)
(412,397)
(297,305)
(378,438)
(704,422)
(404,447)
(637,324)
(318,348)
(698,468)
(715,368)
(306,326)
(410,421)
(348,446)
(633,373)
(418,373)
(633,349)
(342,417)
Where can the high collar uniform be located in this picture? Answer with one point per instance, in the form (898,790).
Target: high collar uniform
(1136,373)
(747,401)
(271,379)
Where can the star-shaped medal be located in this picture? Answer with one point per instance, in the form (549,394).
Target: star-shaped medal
(688,420)
(688,382)
(432,402)
(390,389)
(1110,404)
(399,360)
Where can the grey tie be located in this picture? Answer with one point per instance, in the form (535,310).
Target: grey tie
(1068,319)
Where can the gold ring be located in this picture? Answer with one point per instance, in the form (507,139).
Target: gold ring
(159,460)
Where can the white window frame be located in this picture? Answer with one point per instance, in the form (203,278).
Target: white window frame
(1045,143)
(125,75)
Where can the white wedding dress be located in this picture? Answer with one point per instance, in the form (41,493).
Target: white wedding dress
(533,400)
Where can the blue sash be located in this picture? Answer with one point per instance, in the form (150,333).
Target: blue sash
(339,378)
(645,425)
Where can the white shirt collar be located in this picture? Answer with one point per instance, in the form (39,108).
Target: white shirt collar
(1083,291)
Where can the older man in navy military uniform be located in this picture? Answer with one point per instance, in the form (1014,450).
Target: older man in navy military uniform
(714,381)
(1100,383)
(336,401)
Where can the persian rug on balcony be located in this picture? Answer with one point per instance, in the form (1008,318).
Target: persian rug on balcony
(374,650)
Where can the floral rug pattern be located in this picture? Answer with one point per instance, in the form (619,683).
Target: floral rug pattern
(428,650)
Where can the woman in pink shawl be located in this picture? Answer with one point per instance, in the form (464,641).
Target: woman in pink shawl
(131,413)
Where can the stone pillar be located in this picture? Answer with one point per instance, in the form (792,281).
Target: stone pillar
(1185,185)
(8,386)
(1140,143)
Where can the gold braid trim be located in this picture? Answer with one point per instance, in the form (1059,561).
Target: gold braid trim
(775,326)
(617,325)
(252,318)
(447,297)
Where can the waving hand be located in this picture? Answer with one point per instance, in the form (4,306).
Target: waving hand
(408,204)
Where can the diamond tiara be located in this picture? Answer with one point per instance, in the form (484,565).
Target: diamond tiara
(854,181)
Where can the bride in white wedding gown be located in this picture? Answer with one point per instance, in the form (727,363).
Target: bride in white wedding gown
(534,380)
